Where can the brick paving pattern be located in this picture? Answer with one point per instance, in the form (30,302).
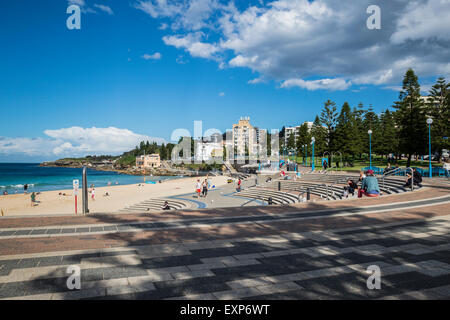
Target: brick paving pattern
(301,251)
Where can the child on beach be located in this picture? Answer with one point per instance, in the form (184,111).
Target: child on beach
(33,199)
(93,194)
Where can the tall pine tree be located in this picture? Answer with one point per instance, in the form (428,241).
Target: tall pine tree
(410,118)
(328,118)
(320,134)
(345,131)
(438,106)
(388,142)
(371,122)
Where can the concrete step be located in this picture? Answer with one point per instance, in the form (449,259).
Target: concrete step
(156,204)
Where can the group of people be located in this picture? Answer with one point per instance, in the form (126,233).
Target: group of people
(369,185)
(201,188)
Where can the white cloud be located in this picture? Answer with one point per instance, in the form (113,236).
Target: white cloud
(75,142)
(256,80)
(155,56)
(422,21)
(192,44)
(163,26)
(77,2)
(104,8)
(160,8)
(222,94)
(86,9)
(321,84)
(285,40)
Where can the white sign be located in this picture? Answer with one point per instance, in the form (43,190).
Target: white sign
(76,184)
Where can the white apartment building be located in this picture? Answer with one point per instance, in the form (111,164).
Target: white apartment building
(288,131)
(208,147)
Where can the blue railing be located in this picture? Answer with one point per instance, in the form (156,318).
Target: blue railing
(375,170)
(435,171)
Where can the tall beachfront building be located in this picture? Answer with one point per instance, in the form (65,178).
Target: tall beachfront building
(245,136)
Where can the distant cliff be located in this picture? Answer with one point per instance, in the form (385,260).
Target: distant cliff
(108,165)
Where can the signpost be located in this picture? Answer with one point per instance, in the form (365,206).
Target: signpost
(85,192)
(76,184)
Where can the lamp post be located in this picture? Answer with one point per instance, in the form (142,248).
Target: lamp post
(312,143)
(429,121)
(303,154)
(306,155)
(370,148)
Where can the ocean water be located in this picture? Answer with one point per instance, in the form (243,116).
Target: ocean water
(13,176)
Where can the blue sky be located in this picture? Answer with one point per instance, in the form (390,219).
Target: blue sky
(56,84)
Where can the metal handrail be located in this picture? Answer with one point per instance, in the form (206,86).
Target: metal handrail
(400,170)
(310,189)
(391,172)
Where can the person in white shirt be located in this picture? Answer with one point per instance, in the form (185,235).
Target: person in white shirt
(198,188)
(446,167)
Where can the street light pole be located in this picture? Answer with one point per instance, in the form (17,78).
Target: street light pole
(429,121)
(312,142)
(306,157)
(370,148)
(303,154)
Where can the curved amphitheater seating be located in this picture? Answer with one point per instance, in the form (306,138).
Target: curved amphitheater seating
(242,176)
(335,184)
(324,186)
(156,204)
(264,194)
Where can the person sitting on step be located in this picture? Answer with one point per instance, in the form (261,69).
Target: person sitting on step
(417,179)
(369,186)
(350,188)
(166,206)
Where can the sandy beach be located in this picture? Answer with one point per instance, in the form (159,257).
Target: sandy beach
(121,196)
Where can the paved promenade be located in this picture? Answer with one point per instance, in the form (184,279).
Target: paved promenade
(302,251)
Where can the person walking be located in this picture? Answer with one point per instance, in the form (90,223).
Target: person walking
(93,194)
(33,199)
(239,185)
(25,188)
(205,188)
(198,188)
(446,167)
